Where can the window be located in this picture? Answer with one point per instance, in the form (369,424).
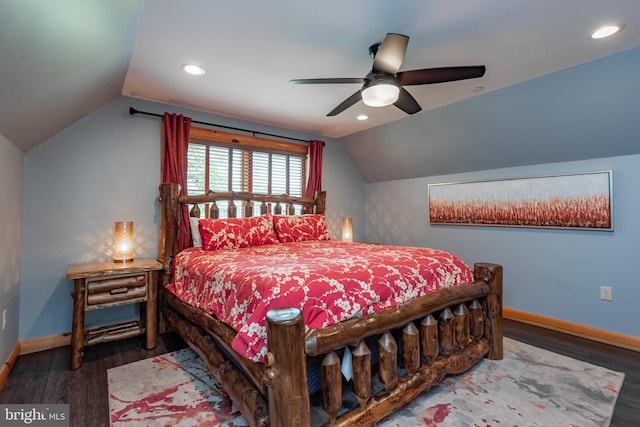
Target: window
(220,161)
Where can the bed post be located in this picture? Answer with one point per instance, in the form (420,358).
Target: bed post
(168,242)
(492,275)
(320,200)
(169,223)
(286,369)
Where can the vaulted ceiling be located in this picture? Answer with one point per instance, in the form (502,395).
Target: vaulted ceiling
(62,60)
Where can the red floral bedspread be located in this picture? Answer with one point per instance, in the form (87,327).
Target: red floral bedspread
(329,281)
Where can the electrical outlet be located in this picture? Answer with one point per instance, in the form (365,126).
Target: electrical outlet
(4,319)
(605,293)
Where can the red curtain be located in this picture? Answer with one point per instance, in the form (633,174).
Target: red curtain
(174,164)
(315,168)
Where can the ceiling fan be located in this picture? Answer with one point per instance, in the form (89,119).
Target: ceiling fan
(383,85)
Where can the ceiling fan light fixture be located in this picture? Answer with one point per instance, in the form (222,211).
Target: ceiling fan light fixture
(380,94)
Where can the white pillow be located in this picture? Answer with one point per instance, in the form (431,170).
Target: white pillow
(195,232)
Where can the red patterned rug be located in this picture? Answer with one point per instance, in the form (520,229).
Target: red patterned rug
(530,387)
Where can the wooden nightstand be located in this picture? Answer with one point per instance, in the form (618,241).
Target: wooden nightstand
(108,284)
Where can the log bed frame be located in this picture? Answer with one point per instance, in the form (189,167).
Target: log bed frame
(443,333)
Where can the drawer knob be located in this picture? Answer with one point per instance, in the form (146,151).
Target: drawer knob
(122,290)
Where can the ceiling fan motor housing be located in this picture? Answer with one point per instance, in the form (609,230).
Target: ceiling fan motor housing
(373,49)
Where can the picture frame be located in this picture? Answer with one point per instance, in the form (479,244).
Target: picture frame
(577,201)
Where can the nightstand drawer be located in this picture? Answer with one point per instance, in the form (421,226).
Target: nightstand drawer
(114,289)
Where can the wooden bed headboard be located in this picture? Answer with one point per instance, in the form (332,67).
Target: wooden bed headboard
(239,202)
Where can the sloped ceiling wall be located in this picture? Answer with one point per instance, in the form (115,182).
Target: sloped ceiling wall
(73,62)
(586,112)
(61,60)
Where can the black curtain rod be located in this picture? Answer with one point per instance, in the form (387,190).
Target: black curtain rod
(133,111)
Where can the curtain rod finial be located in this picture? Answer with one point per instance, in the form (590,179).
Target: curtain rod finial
(132,111)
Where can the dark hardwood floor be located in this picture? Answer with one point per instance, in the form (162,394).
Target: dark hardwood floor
(45,377)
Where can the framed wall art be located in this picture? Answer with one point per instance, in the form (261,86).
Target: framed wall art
(573,201)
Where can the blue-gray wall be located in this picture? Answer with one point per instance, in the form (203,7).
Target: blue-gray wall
(10,226)
(105,168)
(551,272)
(574,113)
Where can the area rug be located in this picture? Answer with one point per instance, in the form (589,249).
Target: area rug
(529,387)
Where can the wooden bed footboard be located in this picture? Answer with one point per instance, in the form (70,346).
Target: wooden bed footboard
(440,334)
(418,344)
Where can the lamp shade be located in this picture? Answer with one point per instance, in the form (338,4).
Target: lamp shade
(123,242)
(347,230)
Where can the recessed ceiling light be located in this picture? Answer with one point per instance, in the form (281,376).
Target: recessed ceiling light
(606,31)
(362,117)
(193,69)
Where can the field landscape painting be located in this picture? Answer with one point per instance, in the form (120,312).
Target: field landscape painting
(574,201)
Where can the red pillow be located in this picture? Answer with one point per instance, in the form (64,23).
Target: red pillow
(301,227)
(234,233)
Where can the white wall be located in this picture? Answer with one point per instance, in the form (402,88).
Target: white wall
(551,272)
(11,160)
(105,168)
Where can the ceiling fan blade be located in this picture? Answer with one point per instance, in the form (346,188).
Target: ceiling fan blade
(439,75)
(407,103)
(323,81)
(346,104)
(390,54)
